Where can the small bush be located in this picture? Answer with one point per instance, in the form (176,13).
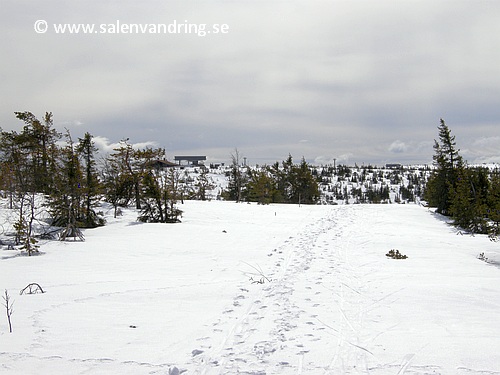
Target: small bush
(482,257)
(395,254)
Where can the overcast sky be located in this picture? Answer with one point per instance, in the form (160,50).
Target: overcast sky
(359,81)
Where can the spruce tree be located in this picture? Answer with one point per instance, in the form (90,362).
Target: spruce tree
(160,190)
(90,185)
(493,203)
(116,184)
(237,178)
(304,186)
(260,186)
(448,163)
(40,138)
(468,200)
(65,200)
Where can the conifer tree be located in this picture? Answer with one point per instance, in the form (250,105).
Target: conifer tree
(117,186)
(65,200)
(237,178)
(160,193)
(493,202)
(304,185)
(203,184)
(124,158)
(29,162)
(260,186)
(40,140)
(448,163)
(90,185)
(468,200)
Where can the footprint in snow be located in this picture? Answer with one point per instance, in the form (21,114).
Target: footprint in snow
(196,352)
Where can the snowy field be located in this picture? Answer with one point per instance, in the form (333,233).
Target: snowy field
(248,289)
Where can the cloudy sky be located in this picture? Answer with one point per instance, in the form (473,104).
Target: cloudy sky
(359,81)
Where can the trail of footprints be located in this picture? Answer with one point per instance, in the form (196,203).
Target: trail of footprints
(263,336)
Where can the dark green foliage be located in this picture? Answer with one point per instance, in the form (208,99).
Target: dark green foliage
(116,184)
(395,254)
(374,195)
(448,163)
(25,236)
(90,185)
(260,186)
(64,202)
(482,257)
(28,166)
(36,172)
(493,205)
(469,200)
(39,140)
(237,179)
(159,197)
(471,196)
(124,159)
(303,185)
(289,183)
(407,193)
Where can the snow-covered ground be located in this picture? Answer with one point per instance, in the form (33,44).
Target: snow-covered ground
(249,289)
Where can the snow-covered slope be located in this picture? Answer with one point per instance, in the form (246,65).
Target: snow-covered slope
(242,288)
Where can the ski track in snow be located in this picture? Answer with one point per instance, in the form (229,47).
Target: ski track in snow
(271,334)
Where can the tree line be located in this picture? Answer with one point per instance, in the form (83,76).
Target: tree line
(469,195)
(53,183)
(279,183)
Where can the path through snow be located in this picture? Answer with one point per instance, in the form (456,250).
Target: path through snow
(308,319)
(329,305)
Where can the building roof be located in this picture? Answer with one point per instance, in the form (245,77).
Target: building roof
(190,158)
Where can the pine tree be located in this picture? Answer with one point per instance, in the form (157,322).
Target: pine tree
(447,163)
(65,201)
(237,178)
(260,186)
(278,190)
(304,186)
(159,196)
(28,164)
(117,186)
(90,187)
(124,158)
(40,139)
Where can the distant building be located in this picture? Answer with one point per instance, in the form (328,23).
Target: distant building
(191,160)
(393,166)
(161,164)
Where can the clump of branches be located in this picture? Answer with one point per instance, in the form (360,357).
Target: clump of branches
(32,288)
(482,257)
(256,276)
(395,254)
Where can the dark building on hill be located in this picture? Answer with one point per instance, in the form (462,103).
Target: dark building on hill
(162,164)
(393,166)
(191,160)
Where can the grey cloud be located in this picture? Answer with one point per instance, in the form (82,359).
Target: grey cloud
(398,147)
(350,77)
